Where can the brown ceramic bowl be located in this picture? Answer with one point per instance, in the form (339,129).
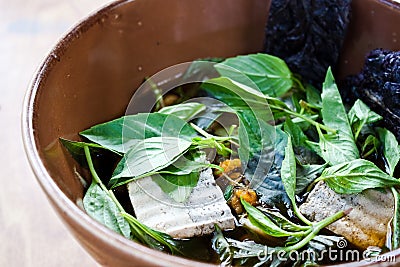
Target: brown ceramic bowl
(93,71)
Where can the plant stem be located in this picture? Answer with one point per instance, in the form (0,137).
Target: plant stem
(212,142)
(301,244)
(152,233)
(200,131)
(329,220)
(300,215)
(369,152)
(298,83)
(395,220)
(111,194)
(98,181)
(314,182)
(231,129)
(316,124)
(157,93)
(96,178)
(209,136)
(140,226)
(306,104)
(357,133)
(316,228)
(296,226)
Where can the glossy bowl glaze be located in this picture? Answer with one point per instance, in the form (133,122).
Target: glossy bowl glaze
(91,74)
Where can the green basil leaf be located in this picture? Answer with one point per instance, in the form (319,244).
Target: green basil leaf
(257,150)
(102,208)
(269,73)
(221,246)
(244,99)
(228,192)
(76,147)
(288,171)
(371,140)
(148,156)
(295,100)
(188,165)
(306,174)
(304,125)
(178,179)
(292,240)
(199,69)
(336,148)
(391,149)
(356,176)
(340,147)
(333,112)
(361,115)
(270,185)
(191,161)
(252,109)
(178,187)
(258,219)
(238,96)
(213,110)
(153,238)
(123,133)
(313,96)
(77,152)
(396,220)
(315,147)
(181,180)
(283,222)
(184,111)
(298,137)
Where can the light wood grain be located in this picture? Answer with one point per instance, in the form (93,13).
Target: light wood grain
(30,232)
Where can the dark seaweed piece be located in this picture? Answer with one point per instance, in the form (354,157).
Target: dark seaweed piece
(378,85)
(307,34)
(271,189)
(391,96)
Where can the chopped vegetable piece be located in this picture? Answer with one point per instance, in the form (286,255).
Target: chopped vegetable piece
(196,216)
(365,226)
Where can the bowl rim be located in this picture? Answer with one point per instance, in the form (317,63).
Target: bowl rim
(55,195)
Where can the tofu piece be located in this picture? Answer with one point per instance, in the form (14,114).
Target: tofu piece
(366,225)
(204,208)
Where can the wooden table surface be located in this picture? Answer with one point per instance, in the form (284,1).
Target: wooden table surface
(30,232)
